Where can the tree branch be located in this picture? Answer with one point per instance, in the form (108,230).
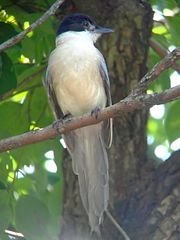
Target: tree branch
(128,104)
(162,52)
(136,100)
(14,40)
(164,64)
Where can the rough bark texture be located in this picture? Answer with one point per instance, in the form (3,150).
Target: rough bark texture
(143,196)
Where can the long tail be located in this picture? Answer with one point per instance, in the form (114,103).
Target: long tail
(90,163)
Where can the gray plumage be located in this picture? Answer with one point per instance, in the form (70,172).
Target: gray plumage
(77,84)
(90,163)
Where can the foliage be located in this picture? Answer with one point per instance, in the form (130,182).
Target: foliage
(164,130)
(30,194)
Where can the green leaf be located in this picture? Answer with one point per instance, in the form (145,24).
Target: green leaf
(35,154)
(172,121)
(38,104)
(20,15)
(174,23)
(159,30)
(32,218)
(6,166)
(55,207)
(162,40)
(28,47)
(5,211)
(8,79)
(41,177)
(25,71)
(8,31)
(13,120)
(156,129)
(24,185)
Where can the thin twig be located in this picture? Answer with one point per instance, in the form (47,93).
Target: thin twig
(14,40)
(162,52)
(117,226)
(160,67)
(31,77)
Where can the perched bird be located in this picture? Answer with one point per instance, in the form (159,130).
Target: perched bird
(77,82)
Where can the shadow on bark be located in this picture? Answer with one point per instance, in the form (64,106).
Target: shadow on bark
(152,211)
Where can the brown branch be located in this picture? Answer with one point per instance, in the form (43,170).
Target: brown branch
(14,40)
(164,64)
(162,52)
(128,104)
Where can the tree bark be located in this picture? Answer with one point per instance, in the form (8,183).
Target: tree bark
(142,195)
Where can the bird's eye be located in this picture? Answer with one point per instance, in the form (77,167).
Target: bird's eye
(86,24)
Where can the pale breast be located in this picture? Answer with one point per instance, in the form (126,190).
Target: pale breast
(76,79)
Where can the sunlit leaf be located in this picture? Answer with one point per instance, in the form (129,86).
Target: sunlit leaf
(159,30)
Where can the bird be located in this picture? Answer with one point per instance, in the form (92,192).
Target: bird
(77,83)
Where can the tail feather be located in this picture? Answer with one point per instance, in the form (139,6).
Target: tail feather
(90,163)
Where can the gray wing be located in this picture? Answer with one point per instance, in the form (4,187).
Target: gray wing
(107,124)
(48,83)
(51,95)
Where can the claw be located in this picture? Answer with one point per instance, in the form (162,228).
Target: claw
(95,112)
(66,117)
(55,124)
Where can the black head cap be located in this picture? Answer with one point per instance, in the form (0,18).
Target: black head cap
(79,22)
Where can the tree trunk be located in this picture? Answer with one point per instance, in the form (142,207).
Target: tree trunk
(142,195)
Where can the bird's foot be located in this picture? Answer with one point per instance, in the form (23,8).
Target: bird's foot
(95,112)
(67,117)
(56,125)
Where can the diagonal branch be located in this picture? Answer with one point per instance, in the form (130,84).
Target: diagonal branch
(14,40)
(160,67)
(162,52)
(128,104)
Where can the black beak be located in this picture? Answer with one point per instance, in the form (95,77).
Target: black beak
(99,29)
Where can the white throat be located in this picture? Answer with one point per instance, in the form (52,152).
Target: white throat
(85,37)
